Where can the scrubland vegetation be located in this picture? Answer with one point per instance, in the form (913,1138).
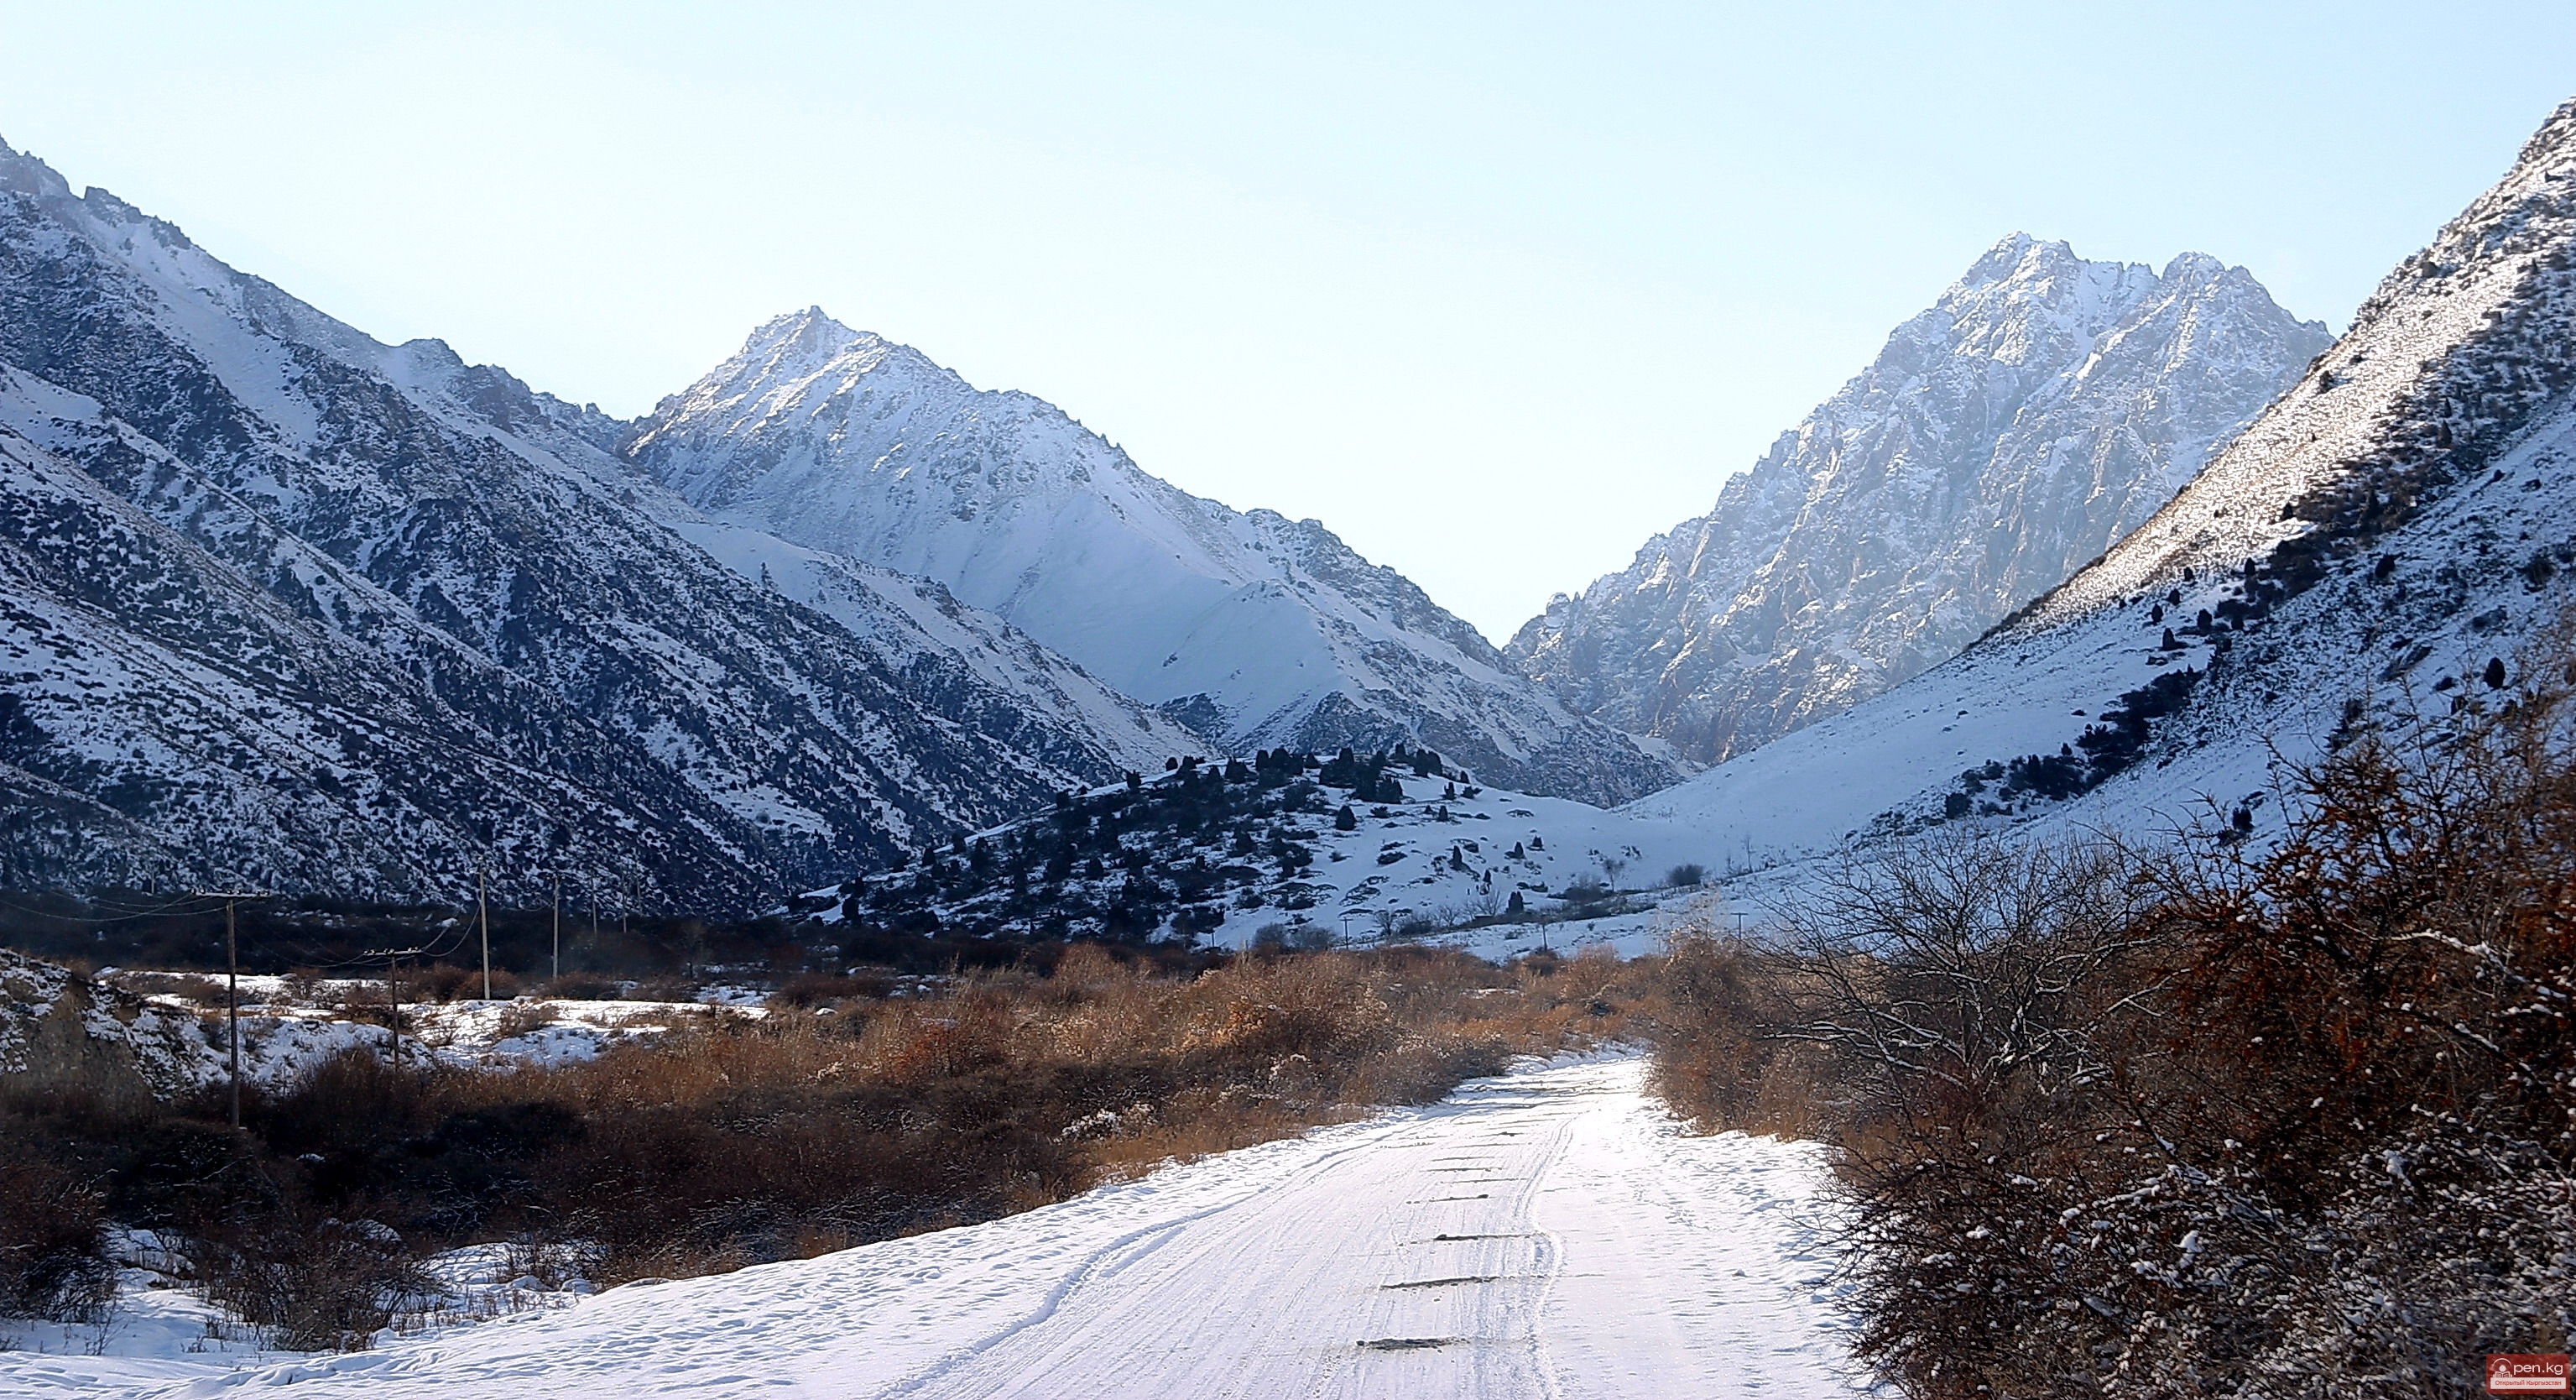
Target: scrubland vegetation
(860,1108)
(2226,1118)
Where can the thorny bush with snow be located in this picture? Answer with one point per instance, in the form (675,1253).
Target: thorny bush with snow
(2223,1119)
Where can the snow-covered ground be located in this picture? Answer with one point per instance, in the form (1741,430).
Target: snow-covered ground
(288,1029)
(158,1332)
(1402,863)
(1550,1232)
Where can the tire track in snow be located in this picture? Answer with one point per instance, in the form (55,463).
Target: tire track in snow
(1605,1254)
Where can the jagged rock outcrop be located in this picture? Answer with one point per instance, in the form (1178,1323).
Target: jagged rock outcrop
(65,1032)
(2040,410)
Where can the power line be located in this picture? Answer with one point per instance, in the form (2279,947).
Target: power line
(94,918)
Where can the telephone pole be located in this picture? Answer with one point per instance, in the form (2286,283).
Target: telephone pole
(232,980)
(393,999)
(393,991)
(483,916)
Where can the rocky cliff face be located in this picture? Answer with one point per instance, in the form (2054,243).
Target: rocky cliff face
(65,1030)
(289,606)
(1264,631)
(2387,547)
(2043,408)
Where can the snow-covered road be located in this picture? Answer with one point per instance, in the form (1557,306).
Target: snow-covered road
(1544,1233)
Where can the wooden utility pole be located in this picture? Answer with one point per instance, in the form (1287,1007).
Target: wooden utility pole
(393,999)
(232,980)
(558,925)
(483,916)
(232,998)
(393,991)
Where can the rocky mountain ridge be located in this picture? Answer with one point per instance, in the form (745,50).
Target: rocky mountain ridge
(292,607)
(2039,411)
(2386,549)
(1263,631)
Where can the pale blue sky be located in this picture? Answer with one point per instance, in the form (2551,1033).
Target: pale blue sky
(1495,290)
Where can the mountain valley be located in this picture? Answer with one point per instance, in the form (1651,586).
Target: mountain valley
(2061,882)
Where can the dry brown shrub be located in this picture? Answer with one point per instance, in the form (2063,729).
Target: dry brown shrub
(302,986)
(312,1285)
(1724,1057)
(203,990)
(580,986)
(53,1238)
(681,989)
(731,1140)
(2285,1119)
(811,989)
(523,1017)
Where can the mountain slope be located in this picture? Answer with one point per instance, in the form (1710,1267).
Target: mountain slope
(1263,631)
(163,719)
(2040,410)
(515,631)
(2391,532)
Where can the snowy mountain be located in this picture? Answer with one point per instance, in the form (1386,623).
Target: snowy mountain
(1263,631)
(2379,545)
(290,606)
(2040,410)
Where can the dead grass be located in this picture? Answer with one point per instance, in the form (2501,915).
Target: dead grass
(858,1109)
(203,990)
(522,1017)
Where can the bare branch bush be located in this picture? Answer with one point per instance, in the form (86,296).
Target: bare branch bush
(2231,1118)
(53,1245)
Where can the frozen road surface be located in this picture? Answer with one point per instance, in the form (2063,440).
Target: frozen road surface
(1546,1233)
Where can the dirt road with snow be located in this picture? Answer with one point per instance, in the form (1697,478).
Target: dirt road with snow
(1543,1234)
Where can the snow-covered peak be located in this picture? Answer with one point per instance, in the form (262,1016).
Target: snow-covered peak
(787,351)
(22,173)
(2374,551)
(2037,411)
(423,615)
(1262,631)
